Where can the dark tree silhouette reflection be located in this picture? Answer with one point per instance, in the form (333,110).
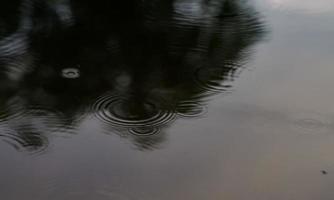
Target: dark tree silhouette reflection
(135,66)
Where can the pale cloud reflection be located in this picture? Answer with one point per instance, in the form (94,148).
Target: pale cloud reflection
(318,6)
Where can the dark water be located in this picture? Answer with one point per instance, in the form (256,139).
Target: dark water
(173,99)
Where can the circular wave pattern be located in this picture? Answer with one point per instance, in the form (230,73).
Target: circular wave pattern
(31,128)
(25,138)
(212,79)
(47,120)
(312,125)
(141,118)
(144,131)
(5,115)
(191,109)
(11,111)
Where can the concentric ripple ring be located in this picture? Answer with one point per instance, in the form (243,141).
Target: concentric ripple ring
(106,109)
(144,131)
(191,109)
(212,79)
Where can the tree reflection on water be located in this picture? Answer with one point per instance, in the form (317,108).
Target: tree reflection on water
(133,66)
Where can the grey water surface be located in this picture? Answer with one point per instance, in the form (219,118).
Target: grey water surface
(167,99)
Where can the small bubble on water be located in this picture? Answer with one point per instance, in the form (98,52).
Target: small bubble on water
(71,73)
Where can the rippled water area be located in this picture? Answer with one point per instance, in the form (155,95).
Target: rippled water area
(167,100)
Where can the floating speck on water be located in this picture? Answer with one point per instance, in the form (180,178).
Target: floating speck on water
(71,73)
(324,172)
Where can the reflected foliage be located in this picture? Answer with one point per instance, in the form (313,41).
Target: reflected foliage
(133,66)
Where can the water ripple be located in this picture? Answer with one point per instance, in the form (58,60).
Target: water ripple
(191,109)
(313,124)
(25,138)
(141,118)
(12,111)
(30,128)
(215,79)
(144,131)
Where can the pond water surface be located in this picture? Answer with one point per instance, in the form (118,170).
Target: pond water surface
(167,99)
